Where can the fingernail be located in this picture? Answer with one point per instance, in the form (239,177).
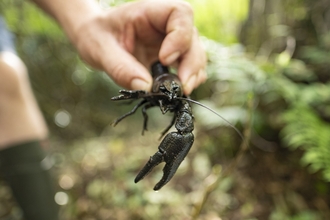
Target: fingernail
(139,84)
(190,85)
(172,57)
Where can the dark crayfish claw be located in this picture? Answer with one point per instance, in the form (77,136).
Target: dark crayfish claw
(172,151)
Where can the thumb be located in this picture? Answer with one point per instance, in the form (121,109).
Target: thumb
(125,69)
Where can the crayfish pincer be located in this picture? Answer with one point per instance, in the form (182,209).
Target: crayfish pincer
(166,94)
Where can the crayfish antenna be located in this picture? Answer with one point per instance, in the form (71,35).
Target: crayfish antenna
(216,113)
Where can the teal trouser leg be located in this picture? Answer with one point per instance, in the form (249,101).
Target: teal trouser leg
(25,169)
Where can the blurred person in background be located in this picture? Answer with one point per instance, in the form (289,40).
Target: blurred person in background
(123,41)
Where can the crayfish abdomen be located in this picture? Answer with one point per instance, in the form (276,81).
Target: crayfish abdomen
(166,91)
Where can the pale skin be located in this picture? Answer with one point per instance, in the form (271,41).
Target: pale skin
(20,117)
(123,41)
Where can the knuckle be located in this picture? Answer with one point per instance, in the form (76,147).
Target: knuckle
(185,7)
(184,41)
(137,16)
(117,73)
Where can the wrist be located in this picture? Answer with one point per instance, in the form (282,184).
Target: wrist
(70,14)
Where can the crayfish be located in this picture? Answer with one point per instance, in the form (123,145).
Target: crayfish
(167,94)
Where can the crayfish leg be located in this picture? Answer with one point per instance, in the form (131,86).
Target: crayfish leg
(145,116)
(168,127)
(115,122)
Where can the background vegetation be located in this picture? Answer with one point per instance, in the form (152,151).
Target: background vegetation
(268,66)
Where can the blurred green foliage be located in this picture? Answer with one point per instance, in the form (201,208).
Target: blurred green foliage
(220,20)
(300,76)
(274,51)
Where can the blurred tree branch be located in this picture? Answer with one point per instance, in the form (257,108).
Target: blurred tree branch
(218,174)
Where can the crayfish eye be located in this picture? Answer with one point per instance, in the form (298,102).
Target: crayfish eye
(176,90)
(163,89)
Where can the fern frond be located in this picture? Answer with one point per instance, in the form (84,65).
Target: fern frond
(304,129)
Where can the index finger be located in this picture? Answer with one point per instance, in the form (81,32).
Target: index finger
(174,19)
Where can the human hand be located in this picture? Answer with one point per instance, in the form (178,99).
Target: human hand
(125,40)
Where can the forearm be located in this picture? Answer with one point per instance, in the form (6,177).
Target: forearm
(70,14)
